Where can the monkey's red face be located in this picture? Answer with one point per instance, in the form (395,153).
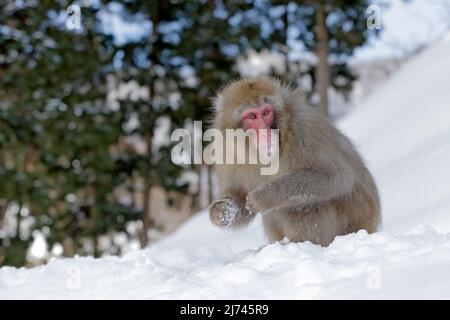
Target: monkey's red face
(261,117)
(258,118)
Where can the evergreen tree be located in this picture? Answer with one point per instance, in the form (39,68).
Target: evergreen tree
(330,29)
(56,164)
(64,150)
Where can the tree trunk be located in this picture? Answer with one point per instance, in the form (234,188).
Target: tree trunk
(3,207)
(323,67)
(153,58)
(146,219)
(210,185)
(92,213)
(286,48)
(18,222)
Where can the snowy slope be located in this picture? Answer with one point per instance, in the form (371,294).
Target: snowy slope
(403,130)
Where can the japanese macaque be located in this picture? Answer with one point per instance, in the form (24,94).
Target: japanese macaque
(322,188)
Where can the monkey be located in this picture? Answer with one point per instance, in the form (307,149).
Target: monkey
(322,188)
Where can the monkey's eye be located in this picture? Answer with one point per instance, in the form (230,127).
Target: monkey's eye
(252,116)
(266,112)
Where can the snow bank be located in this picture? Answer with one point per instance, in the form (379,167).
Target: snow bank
(410,265)
(403,130)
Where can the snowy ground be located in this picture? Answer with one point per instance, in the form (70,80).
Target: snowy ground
(403,131)
(383,265)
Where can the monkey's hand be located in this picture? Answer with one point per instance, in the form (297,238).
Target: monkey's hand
(261,199)
(223,212)
(230,211)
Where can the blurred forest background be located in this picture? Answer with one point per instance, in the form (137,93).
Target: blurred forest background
(86,113)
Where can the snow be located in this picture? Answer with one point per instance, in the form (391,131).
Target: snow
(406,26)
(229,210)
(382,265)
(403,131)
(407,141)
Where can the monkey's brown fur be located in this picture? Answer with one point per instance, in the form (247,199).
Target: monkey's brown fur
(322,188)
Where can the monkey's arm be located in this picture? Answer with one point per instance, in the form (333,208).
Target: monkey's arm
(230,211)
(302,188)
